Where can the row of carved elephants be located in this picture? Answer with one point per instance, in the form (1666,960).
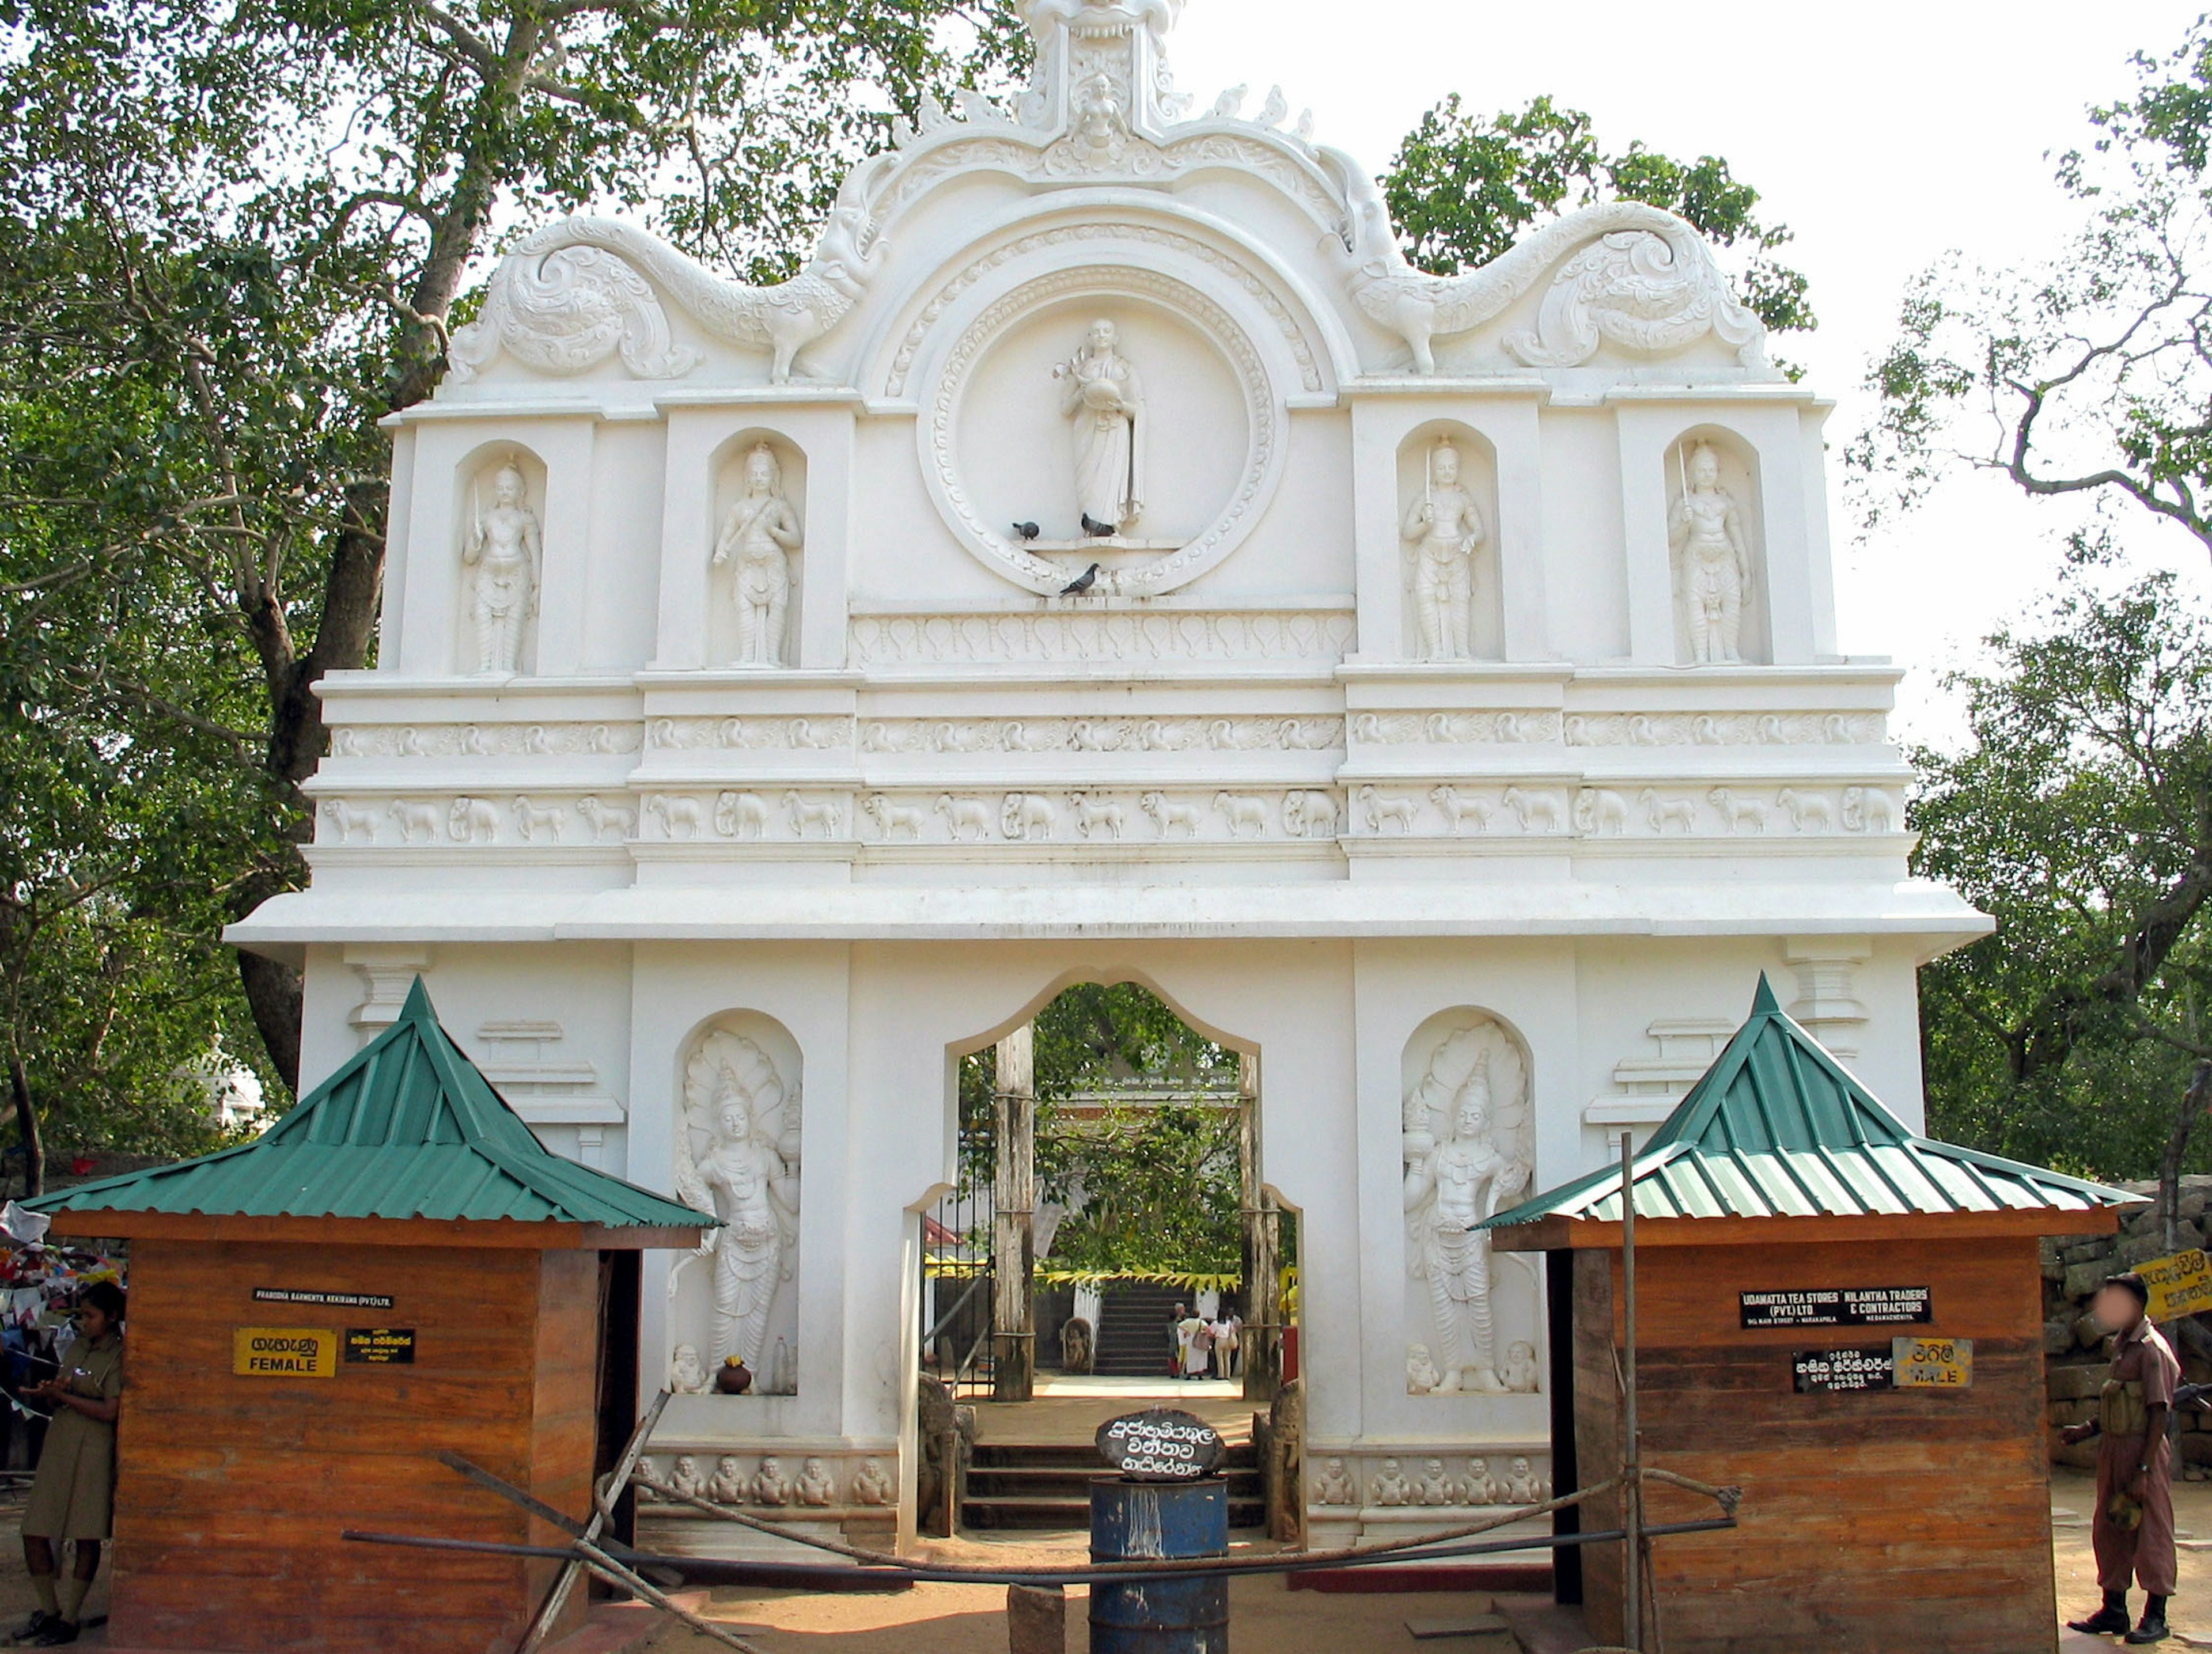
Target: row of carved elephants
(1100,816)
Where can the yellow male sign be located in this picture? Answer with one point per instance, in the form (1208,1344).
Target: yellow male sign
(2179,1285)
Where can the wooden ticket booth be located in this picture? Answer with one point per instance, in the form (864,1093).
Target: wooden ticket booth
(1845,1319)
(397,1266)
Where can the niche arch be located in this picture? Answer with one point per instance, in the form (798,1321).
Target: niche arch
(475,485)
(1473,1317)
(728,473)
(1738,460)
(738,1120)
(1417,468)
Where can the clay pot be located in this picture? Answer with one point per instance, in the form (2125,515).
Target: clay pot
(734,1378)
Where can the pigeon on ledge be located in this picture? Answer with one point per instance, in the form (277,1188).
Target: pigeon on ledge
(1025,530)
(1097,530)
(1081,584)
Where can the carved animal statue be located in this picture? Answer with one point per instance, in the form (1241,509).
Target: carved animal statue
(472,821)
(1738,815)
(473,743)
(740,816)
(1026,816)
(964,818)
(1665,813)
(534,740)
(1769,729)
(533,823)
(349,820)
(1866,810)
(893,820)
(1512,727)
(1642,731)
(1600,813)
(1246,816)
(1537,812)
(602,816)
(679,816)
(1169,816)
(1621,272)
(1096,818)
(1808,812)
(1461,813)
(1309,814)
(1376,809)
(809,815)
(576,291)
(1835,729)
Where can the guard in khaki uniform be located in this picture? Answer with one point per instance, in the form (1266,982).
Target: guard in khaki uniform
(74,1497)
(2132,1531)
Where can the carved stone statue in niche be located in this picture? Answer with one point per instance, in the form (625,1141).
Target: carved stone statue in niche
(1714,555)
(1445,528)
(502,549)
(748,1176)
(759,534)
(1103,398)
(1467,1158)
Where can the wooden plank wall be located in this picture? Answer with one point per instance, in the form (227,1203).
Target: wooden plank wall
(233,1490)
(1870,1522)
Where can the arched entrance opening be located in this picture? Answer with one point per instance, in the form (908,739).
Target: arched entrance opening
(1110,1244)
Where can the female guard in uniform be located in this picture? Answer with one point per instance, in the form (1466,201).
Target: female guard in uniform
(74,1495)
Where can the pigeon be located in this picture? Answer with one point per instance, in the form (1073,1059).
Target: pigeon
(1097,530)
(1025,530)
(1081,584)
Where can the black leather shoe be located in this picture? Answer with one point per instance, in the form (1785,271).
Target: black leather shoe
(38,1621)
(2150,1631)
(59,1631)
(2105,1622)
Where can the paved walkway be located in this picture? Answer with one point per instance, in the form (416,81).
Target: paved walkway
(1067,1416)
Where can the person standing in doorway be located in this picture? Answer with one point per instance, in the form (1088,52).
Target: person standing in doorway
(74,1496)
(2132,1531)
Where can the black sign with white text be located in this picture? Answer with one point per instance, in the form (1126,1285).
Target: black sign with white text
(1812,1370)
(1160,1445)
(1837,1307)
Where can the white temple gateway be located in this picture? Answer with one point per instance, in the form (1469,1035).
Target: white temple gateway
(1109,560)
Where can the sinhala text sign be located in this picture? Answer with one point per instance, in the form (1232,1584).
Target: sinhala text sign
(1162,1444)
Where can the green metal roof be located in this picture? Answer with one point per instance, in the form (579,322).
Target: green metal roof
(408,1128)
(1777,1128)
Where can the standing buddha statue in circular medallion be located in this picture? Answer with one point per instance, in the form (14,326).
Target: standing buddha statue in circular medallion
(1103,395)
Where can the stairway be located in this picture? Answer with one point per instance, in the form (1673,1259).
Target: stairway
(1133,1332)
(1033,1486)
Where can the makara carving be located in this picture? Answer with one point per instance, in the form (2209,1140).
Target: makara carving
(737,1156)
(1713,554)
(759,534)
(1102,398)
(1444,527)
(502,552)
(1468,1155)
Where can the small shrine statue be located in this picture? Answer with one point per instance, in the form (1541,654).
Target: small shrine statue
(815,1486)
(503,547)
(1421,1374)
(1391,1487)
(687,1373)
(759,534)
(1434,1488)
(685,1478)
(872,1485)
(649,1469)
(1518,1370)
(728,1485)
(770,1485)
(1104,399)
(1333,1485)
(1445,528)
(1523,1486)
(1705,532)
(1481,1487)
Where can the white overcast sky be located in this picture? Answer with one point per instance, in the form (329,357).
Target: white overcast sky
(1883,135)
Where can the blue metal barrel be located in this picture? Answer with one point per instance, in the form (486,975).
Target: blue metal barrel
(1152,1519)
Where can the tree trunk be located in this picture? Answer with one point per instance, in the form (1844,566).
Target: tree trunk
(2194,1102)
(26,1128)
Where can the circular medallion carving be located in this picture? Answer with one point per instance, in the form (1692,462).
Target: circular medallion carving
(1008,437)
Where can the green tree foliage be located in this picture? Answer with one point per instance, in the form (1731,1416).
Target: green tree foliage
(1462,189)
(2079,813)
(232,237)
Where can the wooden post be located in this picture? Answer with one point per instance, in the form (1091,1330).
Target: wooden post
(1263,1305)
(1013,1248)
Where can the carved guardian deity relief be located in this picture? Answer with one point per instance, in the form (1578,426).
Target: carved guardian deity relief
(759,544)
(502,560)
(1468,1144)
(738,1156)
(1712,541)
(1447,518)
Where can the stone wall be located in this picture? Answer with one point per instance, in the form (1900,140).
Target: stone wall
(2074,1349)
